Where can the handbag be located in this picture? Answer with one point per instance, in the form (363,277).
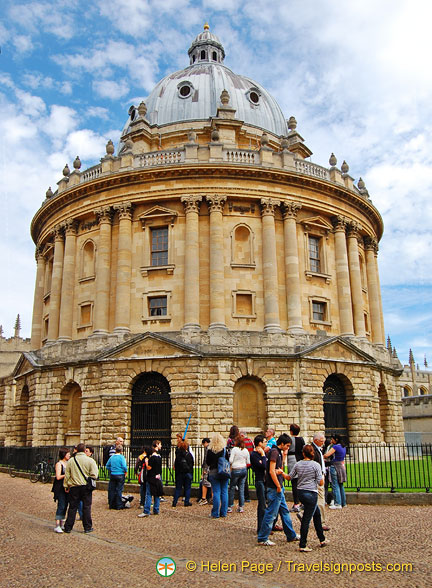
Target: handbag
(223,468)
(90,482)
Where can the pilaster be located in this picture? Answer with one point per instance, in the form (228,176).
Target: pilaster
(292,271)
(271,297)
(191,274)
(217,282)
(342,276)
(124,268)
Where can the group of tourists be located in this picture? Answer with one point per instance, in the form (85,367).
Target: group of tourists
(224,470)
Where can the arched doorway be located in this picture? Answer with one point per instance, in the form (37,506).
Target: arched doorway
(335,413)
(22,437)
(249,406)
(151,410)
(71,398)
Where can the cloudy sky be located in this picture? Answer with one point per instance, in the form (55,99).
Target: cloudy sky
(356,75)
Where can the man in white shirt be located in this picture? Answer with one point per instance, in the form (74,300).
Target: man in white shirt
(318,442)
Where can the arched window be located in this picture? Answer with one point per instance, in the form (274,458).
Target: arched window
(422,391)
(88,260)
(71,399)
(203,54)
(249,405)
(242,246)
(335,410)
(151,409)
(214,56)
(406,391)
(22,437)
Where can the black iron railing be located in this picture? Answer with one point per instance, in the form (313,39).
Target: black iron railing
(369,467)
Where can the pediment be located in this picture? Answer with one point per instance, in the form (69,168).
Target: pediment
(158,213)
(316,222)
(337,349)
(147,346)
(24,366)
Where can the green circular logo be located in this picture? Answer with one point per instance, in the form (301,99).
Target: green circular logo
(166,567)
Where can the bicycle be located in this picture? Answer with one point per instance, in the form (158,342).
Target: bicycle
(42,472)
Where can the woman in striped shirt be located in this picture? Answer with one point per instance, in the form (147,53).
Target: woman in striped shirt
(309,476)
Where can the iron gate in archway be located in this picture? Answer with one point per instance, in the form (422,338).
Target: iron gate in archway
(151,410)
(335,413)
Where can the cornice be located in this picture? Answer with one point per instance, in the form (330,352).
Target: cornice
(196,171)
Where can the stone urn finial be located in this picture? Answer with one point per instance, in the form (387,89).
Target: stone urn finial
(284,144)
(344,167)
(109,148)
(192,136)
(66,171)
(292,123)
(264,140)
(361,185)
(225,97)
(142,109)
(49,193)
(215,135)
(333,160)
(129,145)
(77,163)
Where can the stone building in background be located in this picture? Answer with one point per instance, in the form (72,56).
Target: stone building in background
(206,267)
(416,390)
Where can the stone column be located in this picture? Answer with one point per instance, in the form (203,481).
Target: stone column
(371,248)
(217,265)
(269,259)
(191,264)
(342,277)
(103,271)
(124,268)
(56,281)
(292,275)
(355,279)
(68,281)
(36,334)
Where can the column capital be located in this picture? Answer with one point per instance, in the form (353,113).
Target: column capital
(290,209)
(39,253)
(70,226)
(353,229)
(339,222)
(191,203)
(371,244)
(268,206)
(125,210)
(57,232)
(104,214)
(216,202)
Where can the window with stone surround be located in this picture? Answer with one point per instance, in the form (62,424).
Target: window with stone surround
(88,255)
(314,254)
(85,315)
(319,310)
(156,306)
(242,246)
(316,234)
(159,246)
(243,304)
(158,240)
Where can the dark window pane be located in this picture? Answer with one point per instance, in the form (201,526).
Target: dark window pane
(158,306)
(159,246)
(314,254)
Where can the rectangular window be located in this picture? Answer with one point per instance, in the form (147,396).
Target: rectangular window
(319,311)
(314,254)
(159,246)
(86,312)
(157,306)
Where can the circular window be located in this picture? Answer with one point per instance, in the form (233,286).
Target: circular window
(254,97)
(185,90)
(132,112)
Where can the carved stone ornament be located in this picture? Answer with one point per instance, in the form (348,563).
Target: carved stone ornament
(57,232)
(344,167)
(285,144)
(225,97)
(332,160)
(66,171)
(264,140)
(370,244)
(216,203)
(353,229)
(110,148)
(142,109)
(49,193)
(104,214)
(124,210)
(192,136)
(77,163)
(191,203)
(39,253)
(361,184)
(70,226)
(215,135)
(339,222)
(292,123)
(268,206)
(290,209)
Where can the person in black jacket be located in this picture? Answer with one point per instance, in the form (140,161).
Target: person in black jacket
(317,444)
(183,467)
(295,454)
(258,464)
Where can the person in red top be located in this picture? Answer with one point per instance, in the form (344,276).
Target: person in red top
(250,447)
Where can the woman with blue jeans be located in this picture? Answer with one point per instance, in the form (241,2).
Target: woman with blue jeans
(183,467)
(216,450)
(309,476)
(239,460)
(337,471)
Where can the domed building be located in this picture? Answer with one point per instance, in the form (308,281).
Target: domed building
(205,268)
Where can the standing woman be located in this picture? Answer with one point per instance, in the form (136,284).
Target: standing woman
(295,454)
(239,460)
(183,467)
(233,434)
(337,471)
(219,486)
(59,492)
(309,476)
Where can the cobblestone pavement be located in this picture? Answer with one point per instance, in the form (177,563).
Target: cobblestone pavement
(124,549)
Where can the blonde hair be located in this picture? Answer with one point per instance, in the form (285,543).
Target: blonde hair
(217,443)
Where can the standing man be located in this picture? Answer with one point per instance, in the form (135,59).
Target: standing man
(317,444)
(259,463)
(154,481)
(275,495)
(270,438)
(118,469)
(78,469)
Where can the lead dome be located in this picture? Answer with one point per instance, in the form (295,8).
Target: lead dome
(193,93)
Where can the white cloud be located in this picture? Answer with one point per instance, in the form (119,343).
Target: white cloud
(23,43)
(110,89)
(98,112)
(54,18)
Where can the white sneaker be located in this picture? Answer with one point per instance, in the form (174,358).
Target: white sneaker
(142,515)
(58,529)
(267,543)
(335,507)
